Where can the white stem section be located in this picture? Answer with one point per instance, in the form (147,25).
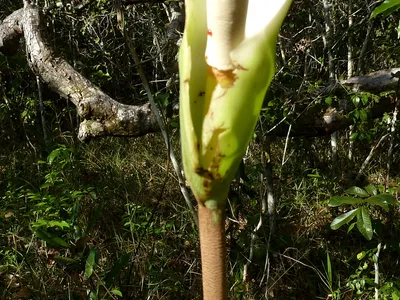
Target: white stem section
(390,152)
(225,22)
(334,147)
(369,157)
(230,22)
(351,143)
(376,267)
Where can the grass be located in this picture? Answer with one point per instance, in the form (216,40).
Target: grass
(129,232)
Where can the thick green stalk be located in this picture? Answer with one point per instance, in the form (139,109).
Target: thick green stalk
(226,63)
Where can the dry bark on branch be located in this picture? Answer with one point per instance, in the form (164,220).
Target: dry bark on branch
(376,82)
(101,114)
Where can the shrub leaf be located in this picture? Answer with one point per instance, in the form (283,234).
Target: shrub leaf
(344,219)
(357,191)
(91,262)
(364,223)
(371,189)
(339,200)
(383,200)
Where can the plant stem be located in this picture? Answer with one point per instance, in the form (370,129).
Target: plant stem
(213,252)
(376,267)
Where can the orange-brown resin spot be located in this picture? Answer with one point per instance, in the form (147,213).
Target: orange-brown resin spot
(224,78)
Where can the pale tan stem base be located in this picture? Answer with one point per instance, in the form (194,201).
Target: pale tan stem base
(213,253)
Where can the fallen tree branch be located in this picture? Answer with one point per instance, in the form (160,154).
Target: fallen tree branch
(320,121)
(376,82)
(101,114)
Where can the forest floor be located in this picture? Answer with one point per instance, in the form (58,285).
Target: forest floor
(106,220)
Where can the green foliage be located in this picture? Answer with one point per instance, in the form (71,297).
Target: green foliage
(365,197)
(362,281)
(77,209)
(386,8)
(330,280)
(361,116)
(58,203)
(344,219)
(91,262)
(55,204)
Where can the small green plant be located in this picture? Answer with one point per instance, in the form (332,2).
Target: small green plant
(330,280)
(362,281)
(362,199)
(56,204)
